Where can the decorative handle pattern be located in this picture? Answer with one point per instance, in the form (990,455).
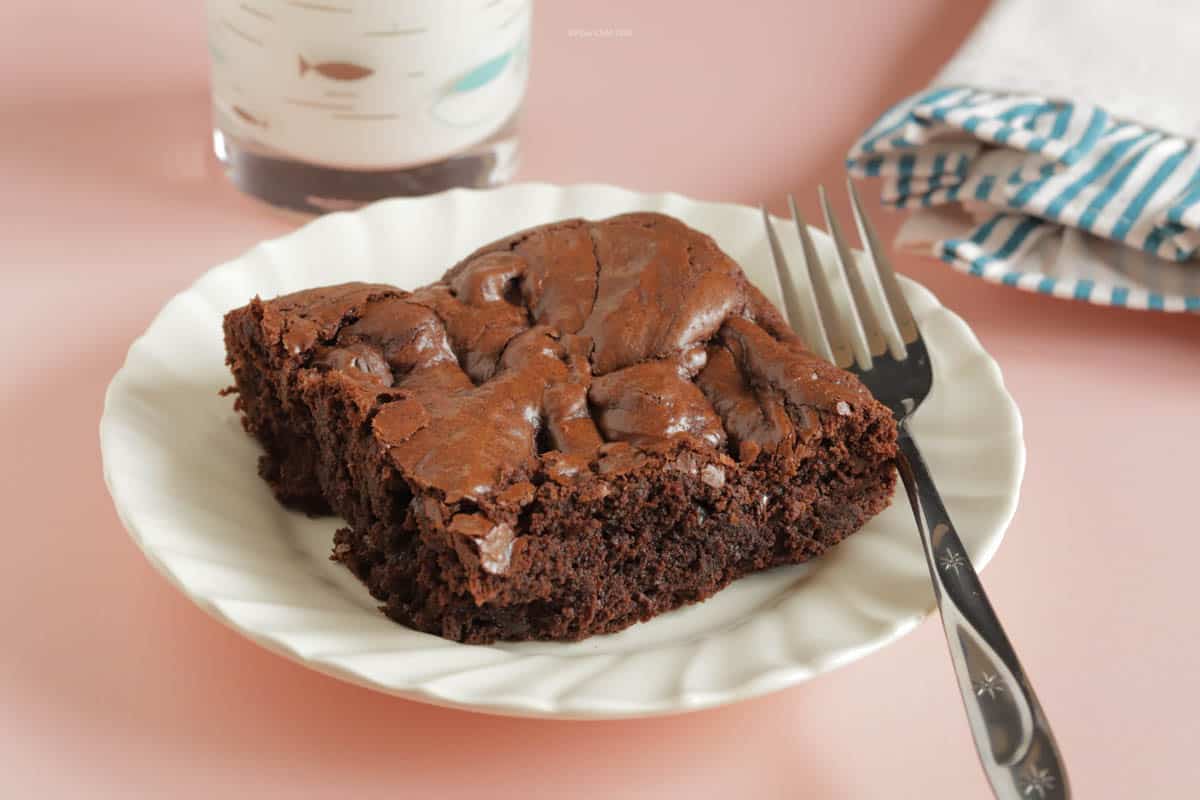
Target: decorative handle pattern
(1011,734)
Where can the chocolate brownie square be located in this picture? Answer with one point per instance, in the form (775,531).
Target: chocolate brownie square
(579,427)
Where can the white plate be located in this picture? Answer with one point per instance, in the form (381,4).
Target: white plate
(182,476)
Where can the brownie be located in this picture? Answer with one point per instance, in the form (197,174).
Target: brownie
(579,427)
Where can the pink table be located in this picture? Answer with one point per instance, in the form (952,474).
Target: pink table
(112,684)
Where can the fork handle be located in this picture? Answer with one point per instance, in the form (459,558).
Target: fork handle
(1011,734)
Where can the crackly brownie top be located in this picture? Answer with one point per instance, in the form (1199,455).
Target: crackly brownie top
(562,347)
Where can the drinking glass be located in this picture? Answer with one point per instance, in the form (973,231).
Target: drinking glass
(322,105)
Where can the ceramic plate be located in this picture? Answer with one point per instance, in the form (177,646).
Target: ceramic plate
(182,475)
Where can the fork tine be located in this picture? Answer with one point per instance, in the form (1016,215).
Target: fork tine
(791,298)
(875,339)
(835,346)
(897,305)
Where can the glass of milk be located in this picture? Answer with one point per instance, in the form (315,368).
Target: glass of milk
(322,105)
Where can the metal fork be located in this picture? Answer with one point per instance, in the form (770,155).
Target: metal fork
(1011,734)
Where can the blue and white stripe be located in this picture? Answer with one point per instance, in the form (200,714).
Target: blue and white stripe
(1028,167)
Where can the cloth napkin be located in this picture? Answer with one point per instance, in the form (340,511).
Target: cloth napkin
(1057,151)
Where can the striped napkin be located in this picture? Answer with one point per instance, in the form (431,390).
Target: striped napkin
(1023,170)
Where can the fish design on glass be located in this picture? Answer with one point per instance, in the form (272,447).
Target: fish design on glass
(336,70)
(249,118)
(472,96)
(482,74)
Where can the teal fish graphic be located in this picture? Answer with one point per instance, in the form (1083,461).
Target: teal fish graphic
(479,93)
(483,74)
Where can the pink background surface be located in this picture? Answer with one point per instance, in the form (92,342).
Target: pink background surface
(112,684)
